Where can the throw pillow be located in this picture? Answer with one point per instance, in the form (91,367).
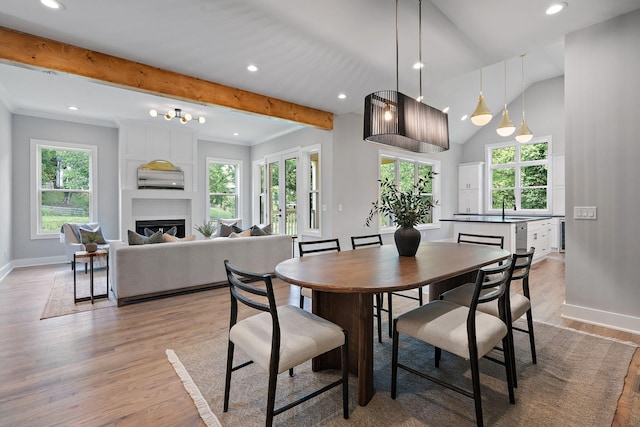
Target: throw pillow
(225,229)
(138,239)
(256,230)
(89,235)
(170,238)
(172,231)
(245,233)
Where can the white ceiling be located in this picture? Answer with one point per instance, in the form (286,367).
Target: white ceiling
(307,52)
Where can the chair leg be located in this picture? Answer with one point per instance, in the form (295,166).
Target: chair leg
(437,356)
(394,361)
(345,376)
(301,300)
(420,295)
(512,360)
(271,395)
(475,379)
(379,301)
(227,382)
(509,359)
(390,313)
(532,340)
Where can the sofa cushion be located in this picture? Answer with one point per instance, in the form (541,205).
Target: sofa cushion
(138,239)
(171,238)
(245,233)
(92,235)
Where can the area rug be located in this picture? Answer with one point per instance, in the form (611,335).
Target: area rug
(60,300)
(577,382)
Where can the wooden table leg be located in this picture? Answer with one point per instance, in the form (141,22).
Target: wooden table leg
(354,313)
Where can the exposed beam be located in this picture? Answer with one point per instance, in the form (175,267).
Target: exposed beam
(34,51)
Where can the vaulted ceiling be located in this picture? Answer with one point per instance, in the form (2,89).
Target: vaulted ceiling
(307,53)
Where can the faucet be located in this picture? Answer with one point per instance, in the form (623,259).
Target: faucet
(514,207)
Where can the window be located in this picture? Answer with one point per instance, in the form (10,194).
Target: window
(223,182)
(405,172)
(519,176)
(313,198)
(64,189)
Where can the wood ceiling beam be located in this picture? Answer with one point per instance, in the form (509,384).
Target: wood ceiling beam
(34,51)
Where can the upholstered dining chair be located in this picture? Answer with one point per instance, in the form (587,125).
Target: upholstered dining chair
(463,331)
(481,239)
(278,338)
(518,304)
(312,247)
(368,241)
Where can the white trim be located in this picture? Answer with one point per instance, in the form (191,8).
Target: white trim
(6,269)
(606,319)
(34,262)
(304,191)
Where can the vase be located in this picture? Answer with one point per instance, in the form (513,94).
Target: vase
(407,241)
(91,247)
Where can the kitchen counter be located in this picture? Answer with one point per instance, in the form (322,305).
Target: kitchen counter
(494,219)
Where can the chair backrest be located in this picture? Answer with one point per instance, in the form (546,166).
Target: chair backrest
(522,262)
(327,245)
(242,290)
(369,240)
(491,284)
(481,239)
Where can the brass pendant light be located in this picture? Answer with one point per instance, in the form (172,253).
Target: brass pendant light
(481,115)
(524,134)
(506,126)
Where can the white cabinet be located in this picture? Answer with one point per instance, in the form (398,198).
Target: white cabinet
(539,235)
(470,187)
(554,234)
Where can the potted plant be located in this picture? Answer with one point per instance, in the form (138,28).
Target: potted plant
(206,229)
(406,209)
(90,242)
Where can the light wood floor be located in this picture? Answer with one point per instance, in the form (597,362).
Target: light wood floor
(108,367)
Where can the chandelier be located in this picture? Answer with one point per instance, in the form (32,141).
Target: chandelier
(177,114)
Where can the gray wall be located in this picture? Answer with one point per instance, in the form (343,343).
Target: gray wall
(544,107)
(602,65)
(6,166)
(26,128)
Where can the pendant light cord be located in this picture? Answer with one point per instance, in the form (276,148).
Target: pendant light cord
(522,56)
(420,44)
(397,58)
(505,84)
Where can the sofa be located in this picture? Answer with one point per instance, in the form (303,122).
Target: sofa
(141,272)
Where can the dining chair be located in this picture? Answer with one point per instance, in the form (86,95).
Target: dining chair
(463,331)
(518,304)
(312,247)
(481,239)
(278,338)
(367,241)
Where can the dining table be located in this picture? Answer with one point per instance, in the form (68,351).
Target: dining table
(343,285)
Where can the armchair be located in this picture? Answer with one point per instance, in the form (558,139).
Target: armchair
(70,236)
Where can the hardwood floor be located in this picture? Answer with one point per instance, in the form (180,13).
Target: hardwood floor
(108,367)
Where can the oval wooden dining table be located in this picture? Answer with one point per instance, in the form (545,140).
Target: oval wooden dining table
(344,283)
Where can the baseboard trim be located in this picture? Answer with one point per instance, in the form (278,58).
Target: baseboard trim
(6,269)
(606,319)
(32,262)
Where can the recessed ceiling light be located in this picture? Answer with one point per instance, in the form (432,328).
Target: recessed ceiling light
(445,110)
(556,8)
(52,4)
(463,118)
(72,108)
(418,65)
(342,96)
(252,68)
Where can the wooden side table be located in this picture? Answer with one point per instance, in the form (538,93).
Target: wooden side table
(91,255)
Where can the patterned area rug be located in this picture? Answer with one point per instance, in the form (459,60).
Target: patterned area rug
(577,382)
(60,300)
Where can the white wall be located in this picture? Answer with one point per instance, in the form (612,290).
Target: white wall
(602,65)
(24,129)
(6,184)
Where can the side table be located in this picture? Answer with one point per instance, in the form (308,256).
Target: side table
(91,255)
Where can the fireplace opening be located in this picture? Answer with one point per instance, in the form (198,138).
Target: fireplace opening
(162,224)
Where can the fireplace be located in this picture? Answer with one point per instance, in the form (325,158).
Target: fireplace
(162,224)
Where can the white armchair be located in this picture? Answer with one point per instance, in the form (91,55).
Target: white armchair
(70,236)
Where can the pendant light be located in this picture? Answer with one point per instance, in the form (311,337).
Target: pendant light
(395,119)
(506,126)
(481,115)
(524,134)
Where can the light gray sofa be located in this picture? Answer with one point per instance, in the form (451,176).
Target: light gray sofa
(142,272)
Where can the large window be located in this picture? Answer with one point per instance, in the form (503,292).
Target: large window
(223,182)
(519,176)
(64,189)
(313,188)
(405,172)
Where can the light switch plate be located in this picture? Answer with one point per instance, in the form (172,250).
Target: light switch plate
(585,212)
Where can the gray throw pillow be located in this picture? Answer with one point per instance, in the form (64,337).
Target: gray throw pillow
(171,232)
(89,235)
(225,229)
(257,231)
(138,239)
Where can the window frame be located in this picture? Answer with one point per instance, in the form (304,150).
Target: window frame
(36,146)
(435,186)
(518,164)
(238,193)
(305,190)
